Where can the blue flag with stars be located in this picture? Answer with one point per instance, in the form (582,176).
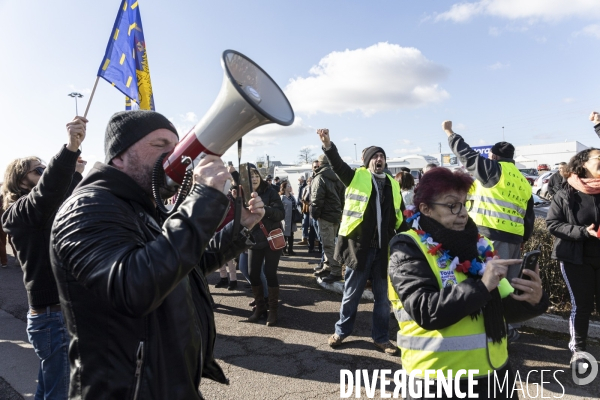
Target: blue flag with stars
(125,63)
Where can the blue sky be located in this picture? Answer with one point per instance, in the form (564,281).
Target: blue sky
(383,73)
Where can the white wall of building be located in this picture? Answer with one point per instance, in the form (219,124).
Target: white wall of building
(551,153)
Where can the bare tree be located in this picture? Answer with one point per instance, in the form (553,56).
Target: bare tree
(306,155)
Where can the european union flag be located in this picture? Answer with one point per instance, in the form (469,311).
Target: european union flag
(125,63)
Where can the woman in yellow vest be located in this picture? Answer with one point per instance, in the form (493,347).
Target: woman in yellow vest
(449,292)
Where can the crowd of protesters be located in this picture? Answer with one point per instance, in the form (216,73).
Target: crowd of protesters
(119,305)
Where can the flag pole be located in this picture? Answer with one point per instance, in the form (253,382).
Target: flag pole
(87,108)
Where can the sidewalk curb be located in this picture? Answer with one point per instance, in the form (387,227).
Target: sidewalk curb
(556,323)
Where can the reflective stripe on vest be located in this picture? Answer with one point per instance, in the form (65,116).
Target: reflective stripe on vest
(463,345)
(357,200)
(503,206)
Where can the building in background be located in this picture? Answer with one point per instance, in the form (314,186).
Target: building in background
(530,156)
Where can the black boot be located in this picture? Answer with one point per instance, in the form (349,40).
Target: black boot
(291,246)
(222,283)
(273,305)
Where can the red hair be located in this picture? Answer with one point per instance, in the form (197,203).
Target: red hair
(438,181)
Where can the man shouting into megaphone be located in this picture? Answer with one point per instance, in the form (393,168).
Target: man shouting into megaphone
(132,285)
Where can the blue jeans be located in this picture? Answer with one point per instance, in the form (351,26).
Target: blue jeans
(48,335)
(354,286)
(305,225)
(243,264)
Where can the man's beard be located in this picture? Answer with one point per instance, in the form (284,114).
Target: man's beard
(142,175)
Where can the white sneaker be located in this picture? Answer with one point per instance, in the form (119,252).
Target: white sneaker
(4,265)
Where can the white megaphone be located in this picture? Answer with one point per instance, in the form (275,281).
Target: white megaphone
(248,99)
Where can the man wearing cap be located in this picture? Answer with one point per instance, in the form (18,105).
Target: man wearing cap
(131,281)
(372,214)
(503,205)
(327,202)
(32,194)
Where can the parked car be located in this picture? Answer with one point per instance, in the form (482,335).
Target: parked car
(529,178)
(543,167)
(529,171)
(540,186)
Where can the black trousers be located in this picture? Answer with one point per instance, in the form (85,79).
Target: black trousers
(583,282)
(255,261)
(289,243)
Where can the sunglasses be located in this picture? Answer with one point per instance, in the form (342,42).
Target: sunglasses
(38,170)
(594,158)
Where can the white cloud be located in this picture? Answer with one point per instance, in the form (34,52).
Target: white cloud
(347,139)
(590,30)
(274,130)
(459,127)
(408,151)
(377,78)
(498,66)
(190,117)
(406,141)
(518,9)
(568,100)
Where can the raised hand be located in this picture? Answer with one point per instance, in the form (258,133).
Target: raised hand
(76,131)
(595,117)
(324,136)
(447,127)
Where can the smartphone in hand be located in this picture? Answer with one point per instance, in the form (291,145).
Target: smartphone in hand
(530,261)
(246,183)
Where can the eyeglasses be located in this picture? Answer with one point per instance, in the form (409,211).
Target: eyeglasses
(456,208)
(38,170)
(594,158)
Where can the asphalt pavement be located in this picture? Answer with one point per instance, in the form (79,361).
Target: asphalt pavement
(291,360)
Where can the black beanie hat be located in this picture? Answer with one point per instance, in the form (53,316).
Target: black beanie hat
(127,127)
(369,152)
(503,149)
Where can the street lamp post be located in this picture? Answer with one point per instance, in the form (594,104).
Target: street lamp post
(503,134)
(76,96)
(355,153)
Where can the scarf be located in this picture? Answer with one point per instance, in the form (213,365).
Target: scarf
(464,246)
(585,185)
(378,189)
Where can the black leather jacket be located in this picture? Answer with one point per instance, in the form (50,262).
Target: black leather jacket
(133,290)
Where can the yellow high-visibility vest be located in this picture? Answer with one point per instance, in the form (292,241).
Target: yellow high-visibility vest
(463,345)
(357,199)
(503,206)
